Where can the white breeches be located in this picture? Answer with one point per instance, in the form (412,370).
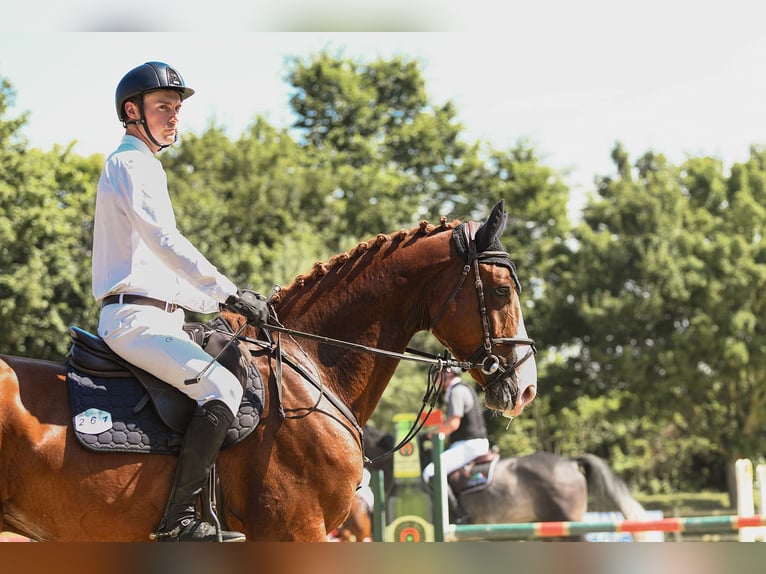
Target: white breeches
(458,454)
(154,340)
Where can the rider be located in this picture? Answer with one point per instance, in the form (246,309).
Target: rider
(465,430)
(145,273)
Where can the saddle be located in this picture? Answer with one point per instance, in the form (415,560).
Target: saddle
(118,406)
(475,475)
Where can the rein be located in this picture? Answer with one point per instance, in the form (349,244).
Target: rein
(430,398)
(423,357)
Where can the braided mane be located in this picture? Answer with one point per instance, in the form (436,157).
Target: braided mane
(320,269)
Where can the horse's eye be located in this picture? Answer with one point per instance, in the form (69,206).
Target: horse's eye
(503,292)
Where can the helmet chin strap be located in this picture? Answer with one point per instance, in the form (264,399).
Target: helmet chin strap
(142,121)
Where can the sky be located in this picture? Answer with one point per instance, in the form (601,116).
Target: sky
(675,77)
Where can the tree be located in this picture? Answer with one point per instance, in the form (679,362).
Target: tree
(645,314)
(256,197)
(658,306)
(46,199)
(385,146)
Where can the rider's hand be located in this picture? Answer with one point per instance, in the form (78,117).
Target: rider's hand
(250,305)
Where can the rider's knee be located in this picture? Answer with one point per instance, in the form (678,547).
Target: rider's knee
(228,388)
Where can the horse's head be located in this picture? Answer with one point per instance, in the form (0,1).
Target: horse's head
(484,326)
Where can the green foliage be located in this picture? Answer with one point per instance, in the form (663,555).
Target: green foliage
(387,148)
(661,303)
(243,203)
(46,252)
(46,201)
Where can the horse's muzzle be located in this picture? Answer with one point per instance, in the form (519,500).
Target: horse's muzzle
(506,398)
(508,393)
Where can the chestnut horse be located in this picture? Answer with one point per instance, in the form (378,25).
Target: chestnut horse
(294,477)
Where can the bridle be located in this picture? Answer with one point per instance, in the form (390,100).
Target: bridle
(484,357)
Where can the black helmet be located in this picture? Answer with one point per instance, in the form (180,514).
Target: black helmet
(146,78)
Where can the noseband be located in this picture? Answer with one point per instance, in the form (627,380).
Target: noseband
(483,357)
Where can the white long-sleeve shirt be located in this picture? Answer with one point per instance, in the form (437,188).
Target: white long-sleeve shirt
(136,246)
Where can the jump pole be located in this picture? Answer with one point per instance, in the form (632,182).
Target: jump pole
(527,530)
(379,505)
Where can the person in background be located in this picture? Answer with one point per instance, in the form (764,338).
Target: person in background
(465,431)
(145,273)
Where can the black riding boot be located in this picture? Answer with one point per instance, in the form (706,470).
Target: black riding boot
(202,441)
(456,513)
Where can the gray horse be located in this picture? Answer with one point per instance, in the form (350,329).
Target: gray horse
(544,487)
(538,487)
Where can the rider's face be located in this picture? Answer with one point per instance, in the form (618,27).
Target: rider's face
(161,112)
(161,109)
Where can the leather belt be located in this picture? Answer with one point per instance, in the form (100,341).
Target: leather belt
(128,299)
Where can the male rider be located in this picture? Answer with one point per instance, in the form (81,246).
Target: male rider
(145,273)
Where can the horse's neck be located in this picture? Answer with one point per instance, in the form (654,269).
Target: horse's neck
(380,303)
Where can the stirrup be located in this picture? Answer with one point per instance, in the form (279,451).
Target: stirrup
(196,530)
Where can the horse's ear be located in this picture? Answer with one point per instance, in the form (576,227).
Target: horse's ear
(491,229)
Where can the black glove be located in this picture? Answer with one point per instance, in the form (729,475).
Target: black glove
(250,305)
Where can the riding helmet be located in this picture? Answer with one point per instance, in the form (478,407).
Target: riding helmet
(146,78)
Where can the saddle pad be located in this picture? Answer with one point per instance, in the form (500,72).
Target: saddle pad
(112,415)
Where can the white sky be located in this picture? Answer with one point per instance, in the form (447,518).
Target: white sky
(675,77)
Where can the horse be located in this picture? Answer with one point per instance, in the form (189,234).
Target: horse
(546,487)
(537,487)
(293,478)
